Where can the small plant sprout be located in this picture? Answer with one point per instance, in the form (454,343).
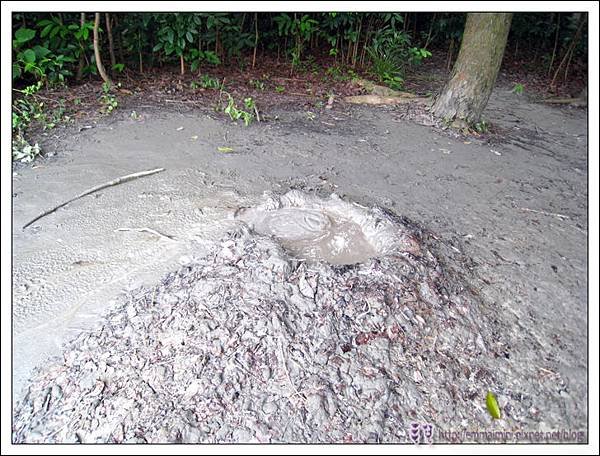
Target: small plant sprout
(109,102)
(23,151)
(235,113)
(206,82)
(518,88)
(27,109)
(257,84)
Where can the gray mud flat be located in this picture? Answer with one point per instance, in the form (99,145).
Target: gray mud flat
(279,349)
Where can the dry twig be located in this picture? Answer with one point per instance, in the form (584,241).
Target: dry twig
(117,181)
(560,216)
(147,230)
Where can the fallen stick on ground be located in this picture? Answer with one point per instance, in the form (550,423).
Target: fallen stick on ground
(117,181)
(384,100)
(147,230)
(182,101)
(526,209)
(573,101)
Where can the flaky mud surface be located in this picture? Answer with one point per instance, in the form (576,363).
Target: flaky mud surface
(247,344)
(507,221)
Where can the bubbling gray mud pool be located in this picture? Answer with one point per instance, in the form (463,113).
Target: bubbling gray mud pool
(250,343)
(332,230)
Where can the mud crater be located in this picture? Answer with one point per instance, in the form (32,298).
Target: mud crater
(326,229)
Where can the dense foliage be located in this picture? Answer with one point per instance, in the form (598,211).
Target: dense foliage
(54,47)
(51,49)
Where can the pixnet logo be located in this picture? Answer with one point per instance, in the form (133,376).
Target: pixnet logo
(421,433)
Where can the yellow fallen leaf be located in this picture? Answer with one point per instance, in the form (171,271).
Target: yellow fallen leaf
(492,405)
(225,149)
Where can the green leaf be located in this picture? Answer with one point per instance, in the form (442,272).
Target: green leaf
(29,67)
(492,405)
(66,58)
(40,51)
(46,30)
(158,47)
(16,71)
(28,55)
(24,34)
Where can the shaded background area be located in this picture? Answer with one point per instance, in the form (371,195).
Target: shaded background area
(254,59)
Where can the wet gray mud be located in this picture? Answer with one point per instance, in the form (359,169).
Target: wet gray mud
(318,315)
(332,230)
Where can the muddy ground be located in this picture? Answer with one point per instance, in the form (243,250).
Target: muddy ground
(509,214)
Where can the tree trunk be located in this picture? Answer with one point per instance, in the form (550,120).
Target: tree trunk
(430,30)
(99,65)
(450,55)
(119,39)
(255,39)
(570,49)
(82,52)
(555,45)
(199,49)
(140,57)
(467,92)
(111,46)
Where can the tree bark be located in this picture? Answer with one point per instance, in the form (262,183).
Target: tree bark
(99,65)
(111,46)
(430,30)
(82,52)
(450,55)
(466,94)
(555,45)
(570,50)
(119,39)
(255,39)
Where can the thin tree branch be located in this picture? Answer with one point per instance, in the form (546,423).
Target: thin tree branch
(117,181)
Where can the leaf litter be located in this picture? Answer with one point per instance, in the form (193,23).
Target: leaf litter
(250,343)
